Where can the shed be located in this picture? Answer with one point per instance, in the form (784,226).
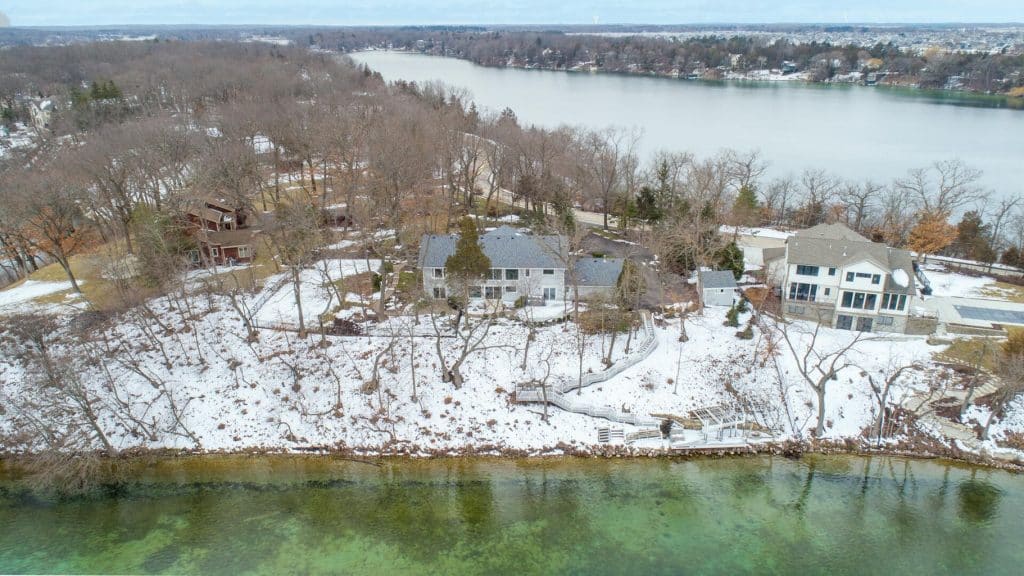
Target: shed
(717,288)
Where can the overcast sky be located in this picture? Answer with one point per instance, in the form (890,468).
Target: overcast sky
(359,12)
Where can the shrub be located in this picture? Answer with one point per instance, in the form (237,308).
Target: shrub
(746,334)
(732,318)
(742,305)
(377,281)
(1014,344)
(520,302)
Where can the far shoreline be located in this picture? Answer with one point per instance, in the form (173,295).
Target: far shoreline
(964,98)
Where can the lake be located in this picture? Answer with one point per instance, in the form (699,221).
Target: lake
(763,515)
(856,132)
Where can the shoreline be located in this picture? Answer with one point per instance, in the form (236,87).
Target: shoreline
(13,466)
(953,97)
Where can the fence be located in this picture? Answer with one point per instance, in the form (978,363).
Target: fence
(529,392)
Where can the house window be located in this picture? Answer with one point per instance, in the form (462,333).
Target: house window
(804,292)
(894,302)
(863,275)
(438,272)
(215,252)
(831,271)
(864,324)
(806,270)
(492,292)
(510,289)
(849,276)
(859,300)
(244,252)
(875,279)
(550,293)
(475,291)
(527,272)
(844,322)
(795,309)
(828,291)
(549,272)
(495,274)
(885,320)
(511,274)
(439,293)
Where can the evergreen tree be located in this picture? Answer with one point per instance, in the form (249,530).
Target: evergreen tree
(1012,257)
(647,206)
(972,238)
(746,209)
(731,258)
(469,261)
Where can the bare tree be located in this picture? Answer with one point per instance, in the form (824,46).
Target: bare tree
(1011,375)
(943,188)
(881,389)
(602,155)
(816,365)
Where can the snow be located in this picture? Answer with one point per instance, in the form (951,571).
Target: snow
(756,232)
(953,284)
(29,290)
(284,392)
(900,277)
(317,296)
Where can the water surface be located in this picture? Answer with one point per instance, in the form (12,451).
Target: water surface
(856,132)
(834,515)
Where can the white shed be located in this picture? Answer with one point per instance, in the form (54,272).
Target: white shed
(717,288)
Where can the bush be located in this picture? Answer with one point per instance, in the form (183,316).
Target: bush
(741,306)
(520,302)
(746,334)
(1014,344)
(377,281)
(732,318)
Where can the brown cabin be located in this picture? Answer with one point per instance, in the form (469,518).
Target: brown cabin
(221,234)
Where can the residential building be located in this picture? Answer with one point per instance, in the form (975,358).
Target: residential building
(221,234)
(717,288)
(832,275)
(522,265)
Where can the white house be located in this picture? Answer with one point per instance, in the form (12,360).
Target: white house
(835,276)
(522,264)
(717,288)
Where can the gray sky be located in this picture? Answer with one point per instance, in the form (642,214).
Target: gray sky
(359,12)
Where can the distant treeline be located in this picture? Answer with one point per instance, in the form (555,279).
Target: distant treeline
(708,56)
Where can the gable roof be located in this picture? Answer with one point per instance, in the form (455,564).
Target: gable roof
(229,238)
(506,247)
(831,232)
(598,271)
(716,279)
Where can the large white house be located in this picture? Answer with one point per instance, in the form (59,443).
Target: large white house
(522,264)
(832,275)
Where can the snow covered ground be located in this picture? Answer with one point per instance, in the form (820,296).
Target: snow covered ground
(318,296)
(945,283)
(196,382)
(28,290)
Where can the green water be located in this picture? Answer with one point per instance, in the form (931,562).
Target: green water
(834,515)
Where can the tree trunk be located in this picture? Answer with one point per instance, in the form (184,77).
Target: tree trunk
(67,270)
(819,431)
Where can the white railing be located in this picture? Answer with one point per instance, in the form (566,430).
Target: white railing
(556,393)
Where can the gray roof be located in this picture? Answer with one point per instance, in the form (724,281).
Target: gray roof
(506,247)
(831,232)
(770,254)
(835,245)
(716,279)
(598,271)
